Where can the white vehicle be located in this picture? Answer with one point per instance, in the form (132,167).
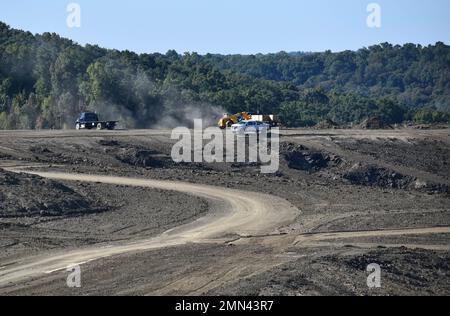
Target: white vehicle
(250,127)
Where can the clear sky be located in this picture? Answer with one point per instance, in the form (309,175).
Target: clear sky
(234,26)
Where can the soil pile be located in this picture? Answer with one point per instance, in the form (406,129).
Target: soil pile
(142,158)
(301,158)
(371,175)
(374,123)
(327,124)
(29,196)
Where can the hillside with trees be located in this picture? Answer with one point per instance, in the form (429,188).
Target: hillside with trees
(411,75)
(46,80)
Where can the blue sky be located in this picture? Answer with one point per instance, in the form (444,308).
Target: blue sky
(234,26)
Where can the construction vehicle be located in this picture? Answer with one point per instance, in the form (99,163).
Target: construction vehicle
(89,120)
(228,120)
(271,119)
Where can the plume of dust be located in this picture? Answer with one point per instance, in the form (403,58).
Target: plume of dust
(108,111)
(183,115)
(168,106)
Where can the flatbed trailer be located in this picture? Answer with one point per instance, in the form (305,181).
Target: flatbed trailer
(91,121)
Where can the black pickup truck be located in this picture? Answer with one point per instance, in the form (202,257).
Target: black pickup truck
(89,120)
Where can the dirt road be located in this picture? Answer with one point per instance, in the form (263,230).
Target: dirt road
(242,214)
(292,133)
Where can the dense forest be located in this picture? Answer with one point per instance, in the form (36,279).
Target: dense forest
(411,74)
(46,80)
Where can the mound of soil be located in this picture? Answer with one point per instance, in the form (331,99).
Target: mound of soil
(403,272)
(5,156)
(428,155)
(40,150)
(327,124)
(416,271)
(29,196)
(142,158)
(373,123)
(108,143)
(301,158)
(429,126)
(371,175)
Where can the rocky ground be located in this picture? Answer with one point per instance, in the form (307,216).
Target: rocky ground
(341,180)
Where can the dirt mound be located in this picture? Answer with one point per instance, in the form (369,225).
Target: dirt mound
(108,143)
(134,155)
(371,175)
(142,158)
(29,196)
(429,126)
(429,155)
(414,271)
(301,158)
(375,176)
(404,272)
(5,156)
(40,150)
(373,123)
(327,124)
(432,187)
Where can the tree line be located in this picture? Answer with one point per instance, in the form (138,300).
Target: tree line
(46,80)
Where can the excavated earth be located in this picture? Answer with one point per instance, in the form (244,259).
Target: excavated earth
(383,195)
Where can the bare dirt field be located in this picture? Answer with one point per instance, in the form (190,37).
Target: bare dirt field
(140,224)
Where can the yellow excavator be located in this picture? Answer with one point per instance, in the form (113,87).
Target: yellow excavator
(228,120)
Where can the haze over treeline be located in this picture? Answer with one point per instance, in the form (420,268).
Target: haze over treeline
(46,80)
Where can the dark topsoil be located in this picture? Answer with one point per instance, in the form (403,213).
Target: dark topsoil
(40,214)
(23,195)
(428,155)
(362,173)
(403,271)
(339,185)
(316,272)
(310,177)
(118,154)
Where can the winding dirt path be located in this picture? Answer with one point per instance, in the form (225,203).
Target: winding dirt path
(237,214)
(241,213)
